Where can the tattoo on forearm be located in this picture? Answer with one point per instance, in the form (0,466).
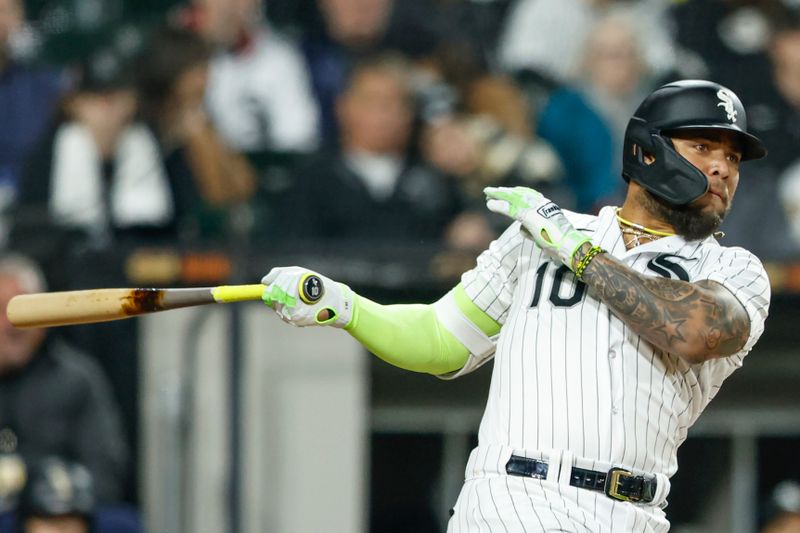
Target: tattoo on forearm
(669,312)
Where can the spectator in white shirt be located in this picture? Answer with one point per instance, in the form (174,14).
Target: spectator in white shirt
(258,95)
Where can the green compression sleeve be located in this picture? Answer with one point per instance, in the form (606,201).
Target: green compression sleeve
(411,337)
(406,336)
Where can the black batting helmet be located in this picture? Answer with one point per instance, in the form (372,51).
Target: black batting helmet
(681,105)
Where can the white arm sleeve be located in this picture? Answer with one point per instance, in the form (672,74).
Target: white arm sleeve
(481,347)
(490,286)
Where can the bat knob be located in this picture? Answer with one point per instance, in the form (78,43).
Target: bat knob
(311,288)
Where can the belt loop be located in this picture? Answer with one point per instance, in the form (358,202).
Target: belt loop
(553,459)
(662,490)
(567,462)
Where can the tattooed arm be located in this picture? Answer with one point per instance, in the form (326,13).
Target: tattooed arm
(697,321)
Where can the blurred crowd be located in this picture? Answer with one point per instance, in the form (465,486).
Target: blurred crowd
(364,119)
(371,121)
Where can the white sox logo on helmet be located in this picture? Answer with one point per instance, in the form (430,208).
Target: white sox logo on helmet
(726,102)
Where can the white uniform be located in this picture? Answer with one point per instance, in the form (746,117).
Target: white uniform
(574,386)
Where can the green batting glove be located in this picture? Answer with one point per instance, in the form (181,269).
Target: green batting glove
(541,218)
(302,297)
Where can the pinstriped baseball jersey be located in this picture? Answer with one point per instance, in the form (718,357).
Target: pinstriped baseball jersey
(569,375)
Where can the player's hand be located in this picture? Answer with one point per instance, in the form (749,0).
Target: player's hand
(541,218)
(298,298)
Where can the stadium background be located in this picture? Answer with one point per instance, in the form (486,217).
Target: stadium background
(242,424)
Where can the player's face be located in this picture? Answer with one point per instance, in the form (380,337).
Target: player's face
(16,345)
(717,154)
(355,22)
(785,53)
(224,21)
(11,18)
(375,114)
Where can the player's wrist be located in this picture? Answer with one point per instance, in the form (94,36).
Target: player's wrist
(579,254)
(570,245)
(586,258)
(352,324)
(342,311)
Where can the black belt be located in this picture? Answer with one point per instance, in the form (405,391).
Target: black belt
(617,483)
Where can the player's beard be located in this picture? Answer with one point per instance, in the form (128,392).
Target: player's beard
(691,222)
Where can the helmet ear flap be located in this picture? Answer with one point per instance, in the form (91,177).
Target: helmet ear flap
(676,180)
(637,141)
(670,177)
(638,133)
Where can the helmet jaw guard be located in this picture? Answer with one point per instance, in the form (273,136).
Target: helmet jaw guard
(681,105)
(670,176)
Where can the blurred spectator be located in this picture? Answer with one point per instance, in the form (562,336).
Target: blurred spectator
(548,36)
(494,129)
(28,98)
(98,180)
(783,509)
(533,130)
(477,126)
(207,177)
(98,173)
(728,42)
(784,523)
(473,24)
(776,119)
(58,498)
(56,401)
(613,73)
(348,31)
(614,77)
(489,140)
(771,237)
(562,117)
(371,189)
(789,192)
(259,96)
(776,108)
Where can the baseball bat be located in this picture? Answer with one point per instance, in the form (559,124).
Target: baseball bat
(65,308)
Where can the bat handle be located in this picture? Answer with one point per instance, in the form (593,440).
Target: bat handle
(237,293)
(310,290)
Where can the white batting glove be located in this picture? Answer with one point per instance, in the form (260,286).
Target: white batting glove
(540,217)
(300,297)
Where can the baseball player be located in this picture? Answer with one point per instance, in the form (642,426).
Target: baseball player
(610,334)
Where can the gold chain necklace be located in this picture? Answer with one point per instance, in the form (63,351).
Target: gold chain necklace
(638,232)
